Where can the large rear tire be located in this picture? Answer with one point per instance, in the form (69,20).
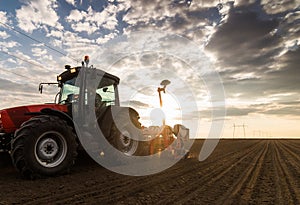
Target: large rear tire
(44,146)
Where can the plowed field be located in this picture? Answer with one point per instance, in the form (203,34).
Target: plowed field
(238,172)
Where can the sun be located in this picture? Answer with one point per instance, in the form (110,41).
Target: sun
(152,114)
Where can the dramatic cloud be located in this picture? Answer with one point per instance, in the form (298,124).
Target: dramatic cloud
(243,40)
(249,52)
(195,21)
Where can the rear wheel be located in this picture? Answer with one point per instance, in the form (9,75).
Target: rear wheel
(44,146)
(123,141)
(124,138)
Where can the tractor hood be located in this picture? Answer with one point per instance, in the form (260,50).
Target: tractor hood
(12,118)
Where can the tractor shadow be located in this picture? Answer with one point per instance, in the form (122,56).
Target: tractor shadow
(5,160)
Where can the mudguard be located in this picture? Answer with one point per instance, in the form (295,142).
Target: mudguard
(12,118)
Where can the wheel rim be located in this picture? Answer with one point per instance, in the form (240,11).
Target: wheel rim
(128,145)
(50,149)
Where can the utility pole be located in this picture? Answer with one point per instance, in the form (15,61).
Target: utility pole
(233,130)
(237,126)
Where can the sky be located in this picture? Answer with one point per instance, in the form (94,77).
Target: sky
(239,55)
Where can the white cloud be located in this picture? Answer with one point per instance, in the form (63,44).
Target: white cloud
(8,44)
(123,5)
(3,17)
(243,2)
(76,16)
(91,21)
(3,35)
(289,32)
(30,64)
(84,27)
(274,7)
(11,60)
(106,38)
(72,2)
(55,33)
(177,17)
(67,39)
(143,12)
(38,14)
(38,52)
(107,18)
(147,11)
(77,46)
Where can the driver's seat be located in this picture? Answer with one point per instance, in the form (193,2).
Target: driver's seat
(99,104)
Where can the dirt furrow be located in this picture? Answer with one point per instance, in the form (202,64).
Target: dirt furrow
(263,191)
(253,177)
(154,182)
(292,158)
(65,191)
(209,178)
(113,188)
(247,177)
(287,193)
(295,153)
(294,144)
(187,184)
(292,175)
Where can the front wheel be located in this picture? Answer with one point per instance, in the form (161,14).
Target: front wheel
(44,146)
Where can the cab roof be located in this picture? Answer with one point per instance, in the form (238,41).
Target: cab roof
(73,72)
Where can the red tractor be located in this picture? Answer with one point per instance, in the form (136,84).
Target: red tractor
(42,139)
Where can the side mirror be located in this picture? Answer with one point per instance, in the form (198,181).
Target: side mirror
(41,88)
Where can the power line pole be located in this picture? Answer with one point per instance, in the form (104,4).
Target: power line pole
(233,130)
(237,126)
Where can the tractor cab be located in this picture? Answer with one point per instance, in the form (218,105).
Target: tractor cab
(105,92)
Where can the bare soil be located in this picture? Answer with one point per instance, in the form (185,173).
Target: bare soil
(238,172)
